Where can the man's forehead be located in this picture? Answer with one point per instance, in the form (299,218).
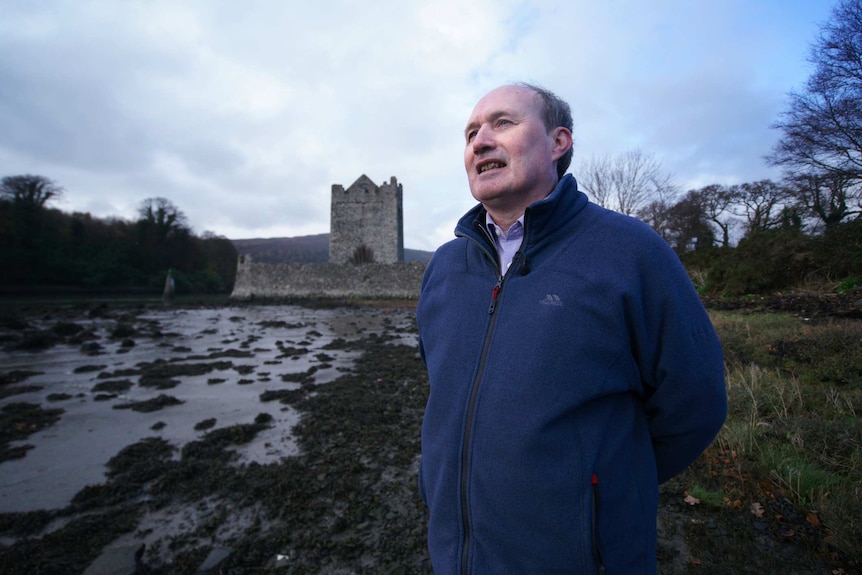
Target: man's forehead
(505,100)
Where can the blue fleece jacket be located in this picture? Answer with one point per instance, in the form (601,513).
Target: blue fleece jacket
(562,394)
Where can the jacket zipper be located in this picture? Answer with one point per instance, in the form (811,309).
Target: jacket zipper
(597,550)
(471,407)
(468,426)
(494,294)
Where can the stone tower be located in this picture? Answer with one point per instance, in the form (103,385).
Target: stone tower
(367,223)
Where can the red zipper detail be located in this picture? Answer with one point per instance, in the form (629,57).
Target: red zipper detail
(494,293)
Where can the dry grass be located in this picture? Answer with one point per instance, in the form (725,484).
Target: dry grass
(795,391)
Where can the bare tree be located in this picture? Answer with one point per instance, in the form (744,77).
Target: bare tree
(689,227)
(822,128)
(28,195)
(638,179)
(715,201)
(29,191)
(761,204)
(162,216)
(595,179)
(161,228)
(828,197)
(626,183)
(658,215)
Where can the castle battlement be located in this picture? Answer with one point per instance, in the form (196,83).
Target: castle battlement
(367,223)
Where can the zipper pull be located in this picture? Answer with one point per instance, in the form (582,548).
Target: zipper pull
(494,293)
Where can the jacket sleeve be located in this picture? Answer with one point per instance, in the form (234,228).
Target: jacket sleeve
(682,365)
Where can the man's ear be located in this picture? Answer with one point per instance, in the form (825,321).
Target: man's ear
(562,141)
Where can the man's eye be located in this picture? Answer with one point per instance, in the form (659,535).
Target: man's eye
(503,121)
(471,135)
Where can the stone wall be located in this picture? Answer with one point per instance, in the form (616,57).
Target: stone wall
(367,216)
(282,281)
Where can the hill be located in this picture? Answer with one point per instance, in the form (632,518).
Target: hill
(301,250)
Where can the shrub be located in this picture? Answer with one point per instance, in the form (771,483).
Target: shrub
(838,253)
(764,261)
(362,255)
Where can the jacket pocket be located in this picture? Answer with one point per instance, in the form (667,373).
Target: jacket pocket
(594,527)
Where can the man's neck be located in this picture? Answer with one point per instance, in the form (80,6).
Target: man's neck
(505,216)
(504,220)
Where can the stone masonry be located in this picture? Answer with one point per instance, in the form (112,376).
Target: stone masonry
(285,281)
(366,253)
(367,221)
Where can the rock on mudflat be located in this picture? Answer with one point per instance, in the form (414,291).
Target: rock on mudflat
(214,561)
(118,561)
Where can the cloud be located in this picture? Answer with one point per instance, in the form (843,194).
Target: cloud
(245,114)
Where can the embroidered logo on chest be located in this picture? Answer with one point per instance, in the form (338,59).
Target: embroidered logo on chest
(551,299)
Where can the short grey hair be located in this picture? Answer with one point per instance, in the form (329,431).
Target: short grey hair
(555,113)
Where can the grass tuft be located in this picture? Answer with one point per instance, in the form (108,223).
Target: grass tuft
(795,391)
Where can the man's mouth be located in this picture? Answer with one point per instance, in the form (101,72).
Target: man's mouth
(490,166)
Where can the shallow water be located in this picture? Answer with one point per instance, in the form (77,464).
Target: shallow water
(73,452)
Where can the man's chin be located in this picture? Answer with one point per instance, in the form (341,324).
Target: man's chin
(487,198)
(485,192)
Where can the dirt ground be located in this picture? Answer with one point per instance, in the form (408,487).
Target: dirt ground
(343,501)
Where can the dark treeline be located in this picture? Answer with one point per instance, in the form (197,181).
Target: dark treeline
(785,257)
(46,249)
(764,236)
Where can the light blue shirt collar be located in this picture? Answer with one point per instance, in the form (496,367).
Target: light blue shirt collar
(506,242)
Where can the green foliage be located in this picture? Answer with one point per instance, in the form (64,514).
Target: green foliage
(850,283)
(706,496)
(807,481)
(795,394)
(838,253)
(198,281)
(771,260)
(61,251)
(767,261)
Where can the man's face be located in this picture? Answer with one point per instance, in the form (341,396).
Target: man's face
(510,155)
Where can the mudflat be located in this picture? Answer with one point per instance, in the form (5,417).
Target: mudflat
(251,438)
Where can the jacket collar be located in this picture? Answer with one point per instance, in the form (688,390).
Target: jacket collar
(541,219)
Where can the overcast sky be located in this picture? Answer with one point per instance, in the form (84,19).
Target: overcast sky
(244,114)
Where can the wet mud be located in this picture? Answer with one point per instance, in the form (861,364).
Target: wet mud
(275,438)
(341,390)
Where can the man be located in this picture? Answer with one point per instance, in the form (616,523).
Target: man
(572,366)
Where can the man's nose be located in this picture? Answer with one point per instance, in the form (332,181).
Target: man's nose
(483,140)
